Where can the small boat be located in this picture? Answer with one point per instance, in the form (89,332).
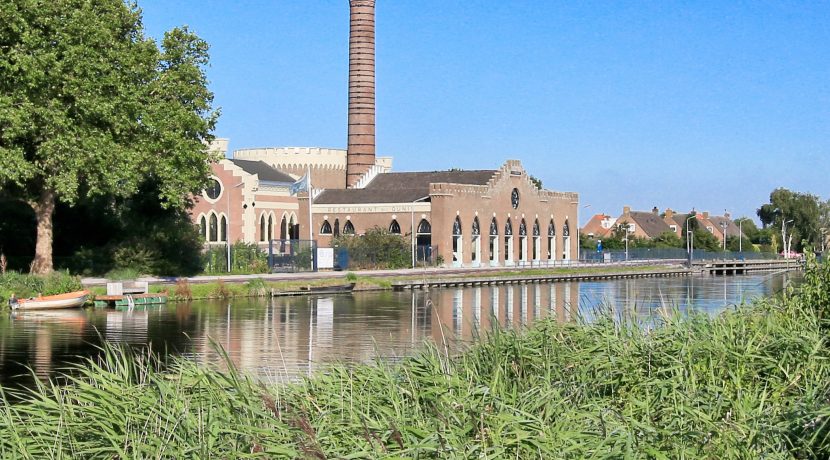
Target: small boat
(49,302)
(310,290)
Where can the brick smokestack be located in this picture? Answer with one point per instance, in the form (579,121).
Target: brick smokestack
(361,147)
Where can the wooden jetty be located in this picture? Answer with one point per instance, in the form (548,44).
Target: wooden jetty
(534,279)
(310,290)
(129,300)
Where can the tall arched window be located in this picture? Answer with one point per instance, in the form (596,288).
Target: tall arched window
(223,228)
(475,240)
(325,229)
(292,229)
(348,228)
(284,228)
(537,241)
(394,227)
(203,227)
(336,227)
(508,242)
(566,241)
(262,228)
(523,241)
(494,241)
(551,240)
(213,229)
(456,242)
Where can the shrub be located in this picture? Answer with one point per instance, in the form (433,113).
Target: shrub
(376,249)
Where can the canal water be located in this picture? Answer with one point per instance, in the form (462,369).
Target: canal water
(282,338)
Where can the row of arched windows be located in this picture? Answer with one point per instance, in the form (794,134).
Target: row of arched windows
(528,249)
(213,227)
(288,228)
(326,228)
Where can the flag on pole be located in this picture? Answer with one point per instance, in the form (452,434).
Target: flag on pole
(301,185)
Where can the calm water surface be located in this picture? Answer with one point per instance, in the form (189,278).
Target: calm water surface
(282,338)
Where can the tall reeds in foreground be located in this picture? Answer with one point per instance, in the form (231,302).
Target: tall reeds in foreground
(753,382)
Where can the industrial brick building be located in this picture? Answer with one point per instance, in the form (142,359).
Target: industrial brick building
(495,217)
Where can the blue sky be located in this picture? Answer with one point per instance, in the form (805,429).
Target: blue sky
(670,104)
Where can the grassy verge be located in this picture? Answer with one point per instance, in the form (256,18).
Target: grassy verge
(750,383)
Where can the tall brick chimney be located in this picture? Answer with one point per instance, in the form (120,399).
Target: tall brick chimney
(361,146)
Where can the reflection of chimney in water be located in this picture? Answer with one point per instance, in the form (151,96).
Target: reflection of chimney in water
(360,155)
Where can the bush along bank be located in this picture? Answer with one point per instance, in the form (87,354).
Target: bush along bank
(752,382)
(22,285)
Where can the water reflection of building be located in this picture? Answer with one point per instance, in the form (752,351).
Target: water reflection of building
(465,312)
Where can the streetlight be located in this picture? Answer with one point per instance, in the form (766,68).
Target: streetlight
(741,237)
(690,240)
(412,227)
(228,225)
(723,225)
(627,230)
(784,237)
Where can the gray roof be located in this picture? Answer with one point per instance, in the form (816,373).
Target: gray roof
(649,222)
(731,228)
(263,170)
(403,187)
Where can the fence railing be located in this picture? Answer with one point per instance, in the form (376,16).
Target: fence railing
(671,253)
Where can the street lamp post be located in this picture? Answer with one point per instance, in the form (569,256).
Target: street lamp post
(723,225)
(690,240)
(741,236)
(627,230)
(784,237)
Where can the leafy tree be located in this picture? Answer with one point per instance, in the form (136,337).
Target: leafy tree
(667,239)
(536,181)
(803,209)
(377,248)
(90,106)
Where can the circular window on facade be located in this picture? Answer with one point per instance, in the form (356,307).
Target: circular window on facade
(213,190)
(514,198)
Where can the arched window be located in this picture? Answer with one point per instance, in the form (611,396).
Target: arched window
(424,228)
(476,227)
(223,228)
(326,228)
(508,242)
(348,228)
(566,230)
(551,229)
(456,226)
(522,228)
(551,240)
(457,256)
(271,220)
(494,243)
(536,230)
(284,228)
(394,227)
(213,231)
(262,228)
(508,228)
(292,229)
(203,227)
(523,241)
(336,227)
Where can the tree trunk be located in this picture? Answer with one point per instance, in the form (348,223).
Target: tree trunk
(44,209)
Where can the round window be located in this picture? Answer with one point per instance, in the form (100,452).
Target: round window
(213,190)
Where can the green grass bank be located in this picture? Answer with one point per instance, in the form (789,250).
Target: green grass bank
(750,383)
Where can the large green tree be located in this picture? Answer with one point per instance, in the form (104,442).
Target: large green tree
(797,214)
(89,106)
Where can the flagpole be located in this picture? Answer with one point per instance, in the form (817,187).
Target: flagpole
(310,219)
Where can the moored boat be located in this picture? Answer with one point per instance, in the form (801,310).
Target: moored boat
(307,290)
(50,302)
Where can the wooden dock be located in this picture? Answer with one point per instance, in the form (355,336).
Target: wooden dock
(129,300)
(743,267)
(534,279)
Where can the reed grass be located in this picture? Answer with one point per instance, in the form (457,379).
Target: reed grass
(753,382)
